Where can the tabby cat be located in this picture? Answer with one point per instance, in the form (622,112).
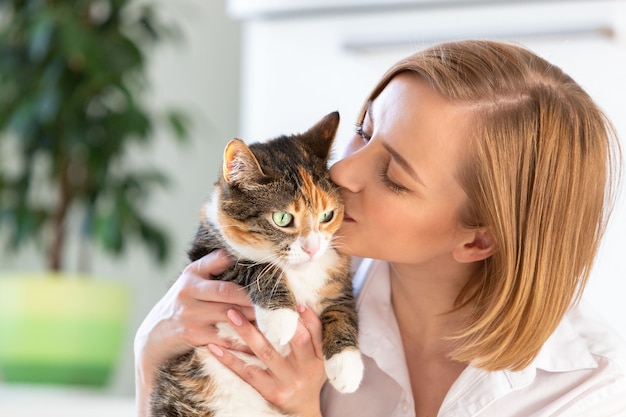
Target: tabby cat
(274,209)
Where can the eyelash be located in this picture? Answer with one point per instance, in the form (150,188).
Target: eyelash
(390,184)
(359,131)
(383,173)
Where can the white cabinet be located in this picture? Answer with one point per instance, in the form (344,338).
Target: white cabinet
(297,66)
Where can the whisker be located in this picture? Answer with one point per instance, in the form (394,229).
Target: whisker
(276,282)
(270,269)
(339,246)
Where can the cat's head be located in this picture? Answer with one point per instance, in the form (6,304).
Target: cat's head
(275,200)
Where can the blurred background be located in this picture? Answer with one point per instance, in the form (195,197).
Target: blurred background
(257,68)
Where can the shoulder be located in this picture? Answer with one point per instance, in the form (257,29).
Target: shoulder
(586,358)
(601,341)
(580,371)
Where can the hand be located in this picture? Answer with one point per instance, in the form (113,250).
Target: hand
(185,318)
(292,383)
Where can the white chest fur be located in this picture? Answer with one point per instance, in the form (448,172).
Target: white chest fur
(232,397)
(308,279)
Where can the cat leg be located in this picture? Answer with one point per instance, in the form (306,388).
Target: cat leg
(342,358)
(278,326)
(274,305)
(226,331)
(345,370)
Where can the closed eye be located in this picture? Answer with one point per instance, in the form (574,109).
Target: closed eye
(396,188)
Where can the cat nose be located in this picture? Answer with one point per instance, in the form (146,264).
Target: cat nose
(311,251)
(311,245)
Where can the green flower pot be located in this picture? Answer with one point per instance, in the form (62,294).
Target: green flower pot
(61,330)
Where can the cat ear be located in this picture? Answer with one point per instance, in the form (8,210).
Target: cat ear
(240,164)
(319,138)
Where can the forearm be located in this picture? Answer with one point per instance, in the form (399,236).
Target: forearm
(185,317)
(315,413)
(144,384)
(143,391)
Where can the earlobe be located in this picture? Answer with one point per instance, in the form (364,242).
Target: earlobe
(480,245)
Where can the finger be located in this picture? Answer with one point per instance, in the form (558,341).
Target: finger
(308,334)
(212,264)
(221,291)
(206,302)
(200,285)
(253,375)
(198,335)
(256,341)
(196,323)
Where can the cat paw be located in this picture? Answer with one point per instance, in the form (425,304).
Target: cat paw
(345,370)
(226,331)
(278,326)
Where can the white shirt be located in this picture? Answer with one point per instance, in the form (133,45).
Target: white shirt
(580,371)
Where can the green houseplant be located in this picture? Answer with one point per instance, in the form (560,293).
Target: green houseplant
(71,77)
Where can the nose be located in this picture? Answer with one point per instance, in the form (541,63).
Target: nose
(311,244)
(348,172)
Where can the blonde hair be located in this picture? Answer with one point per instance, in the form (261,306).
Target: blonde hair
(539,177)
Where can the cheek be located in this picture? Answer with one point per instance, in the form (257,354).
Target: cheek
(393,220)
(407,225)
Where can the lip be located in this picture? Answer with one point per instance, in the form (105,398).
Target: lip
(347,218)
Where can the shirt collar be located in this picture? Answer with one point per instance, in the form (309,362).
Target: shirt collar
(475,388)
(564,350)
(378,329)
(380,339)
(379,335)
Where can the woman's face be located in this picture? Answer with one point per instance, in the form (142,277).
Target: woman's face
(398,177)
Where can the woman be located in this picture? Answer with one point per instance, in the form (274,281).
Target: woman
(476,187)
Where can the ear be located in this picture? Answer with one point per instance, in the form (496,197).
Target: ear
(319,138)
(477,246)
(240,165)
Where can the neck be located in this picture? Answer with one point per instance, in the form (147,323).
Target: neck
(424,304)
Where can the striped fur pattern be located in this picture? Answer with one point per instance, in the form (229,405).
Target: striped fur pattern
(275,210)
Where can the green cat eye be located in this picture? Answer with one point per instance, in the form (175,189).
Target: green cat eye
(326,217)
(282,218)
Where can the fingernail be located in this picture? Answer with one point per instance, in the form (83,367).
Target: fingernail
(301,308)
(235,317)
(216,350)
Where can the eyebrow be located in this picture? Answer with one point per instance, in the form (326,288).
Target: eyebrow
(365,113)
(403,163)
(394,154)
